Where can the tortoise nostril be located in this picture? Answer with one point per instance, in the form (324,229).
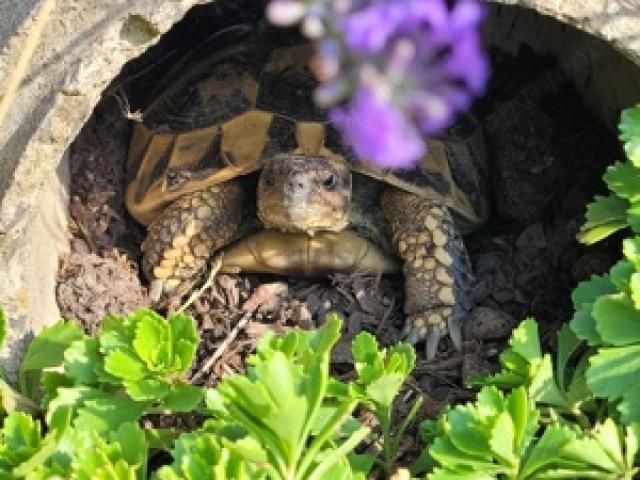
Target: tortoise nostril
(296,186)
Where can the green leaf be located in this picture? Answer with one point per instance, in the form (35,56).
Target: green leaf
(445,474)
(632,441)
(183,398)
(185,337)
(630,133)
(125,365)
(631,250)
(489,437)
(584,296)
(612,372)
(153,343)
(469,435)
(117,332)
(95,458)
(624,180)
(384,389)
(46,351)
(605,215)
(633,217)
(519,362)
(592,235)
(589,453)
(617,320)
(587,292)
(81,360)
(446,453)
(108,413)
(51,381)
(620,274)
(502,439)
(547,450)
(147,389)
(518,408)
(133,445)
(629,407)
(543,387)
(205,455)
(364,347)
(525,340)
(568,343)
(634,286)
(381,372)
(13,401)
(610,440)
(22,449)
(20,431)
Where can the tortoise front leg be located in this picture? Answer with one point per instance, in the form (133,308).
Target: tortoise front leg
(183,237)
(436,268)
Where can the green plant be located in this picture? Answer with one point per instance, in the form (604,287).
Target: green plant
(381,374)
(500,436)
(531,420)
(607,307)
(562,388)
(621,208)
(135,365)
(286,418)
(283,404)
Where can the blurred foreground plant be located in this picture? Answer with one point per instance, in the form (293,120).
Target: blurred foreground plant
(393,70)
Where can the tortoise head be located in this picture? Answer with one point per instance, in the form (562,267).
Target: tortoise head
(300,193)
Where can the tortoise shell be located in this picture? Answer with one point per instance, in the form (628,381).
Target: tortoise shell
(221,116)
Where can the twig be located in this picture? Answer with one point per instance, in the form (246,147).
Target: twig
(385,316)
(30,44)
(258,297)
(222,347)
(215,268)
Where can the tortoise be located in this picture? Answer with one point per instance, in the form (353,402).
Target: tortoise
(241,123)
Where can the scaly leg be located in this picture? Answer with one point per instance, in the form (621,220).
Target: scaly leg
(436,268)
(183,237)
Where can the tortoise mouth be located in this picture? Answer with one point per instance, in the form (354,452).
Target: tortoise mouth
(302,217)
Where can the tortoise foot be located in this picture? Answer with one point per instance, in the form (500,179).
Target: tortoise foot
(437,271)
(431,326)
(183,237)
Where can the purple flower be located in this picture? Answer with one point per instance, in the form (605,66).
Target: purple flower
(413,65)
(378,131)
(367,31)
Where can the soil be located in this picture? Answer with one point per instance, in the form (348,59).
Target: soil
(547,153)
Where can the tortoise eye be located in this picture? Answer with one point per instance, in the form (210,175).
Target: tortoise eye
(329,183)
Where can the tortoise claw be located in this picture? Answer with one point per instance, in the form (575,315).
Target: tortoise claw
(454,322)
(156,287)
(418,328)
(433,339)
(432,334)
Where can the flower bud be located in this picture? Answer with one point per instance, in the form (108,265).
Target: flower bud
(285,13)
(312,27)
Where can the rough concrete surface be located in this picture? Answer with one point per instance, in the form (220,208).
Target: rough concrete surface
(86,43)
